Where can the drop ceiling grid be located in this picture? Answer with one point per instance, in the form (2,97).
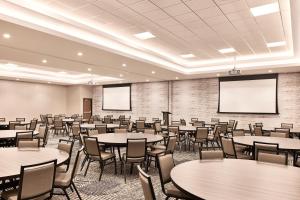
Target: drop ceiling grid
(173,19)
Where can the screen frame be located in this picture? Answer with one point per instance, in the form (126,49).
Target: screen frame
(246,78)
(113,86)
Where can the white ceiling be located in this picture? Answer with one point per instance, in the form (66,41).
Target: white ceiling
(104,29)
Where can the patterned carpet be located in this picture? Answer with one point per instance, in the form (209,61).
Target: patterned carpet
(113,186)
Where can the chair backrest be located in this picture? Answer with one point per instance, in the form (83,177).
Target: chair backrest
(66,146)
(49,121)
(136,148)
(174,129)
(264,146)
(199,123)
(217,131)
(238,132)
(223,127)
(20,119)
(107,119)
(24,135)
(77,161)
(260,124)
(140,125)
(37,180)
(215,120)
(146,185)
(257,131)
(272,156)
(58,123)
(12,124)
(43,134)
(231,123)
(165,165)
(20,127)
(201,133)
(182,122)
(228,147)
(2,119)
(279,134)
(101,128)
(287,125)
(157,127)
(120,130)
(91,146)
(76,129)
(171,144)
(33,124)
(92,132)
(175,123)
(283,130)
(130,126)
(155,119)
(149,131)
(210,155)
(235,125)
(28,143)
(250,129)
(142,118)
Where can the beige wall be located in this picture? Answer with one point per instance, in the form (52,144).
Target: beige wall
(29,100)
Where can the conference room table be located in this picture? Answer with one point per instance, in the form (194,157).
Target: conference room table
(229,179)
(9,134)
(287,144)
(13,158)
(120,139)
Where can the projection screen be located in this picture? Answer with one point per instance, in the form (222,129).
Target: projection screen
(255,94)
(116,97)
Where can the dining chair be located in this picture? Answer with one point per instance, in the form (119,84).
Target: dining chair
(130,126)
(175,123)
(257,131)
(215,120)
(66,146)
(287,125)
(23,135)
(201,136)
(165,165)
(259,124)
(142,118)
(32,125)
(92,132)
(28,143)
(180,139)
(2,119)
(101,128)
(154,119)
(64,180)
(229,150)
(43,135)
(194,119)
(36,182)
(238,147)
(59,127)
(107,120)
(93,153)
(272,156)
(215,136)
(135,153)
(199,123)
(182,122)
(279,134)
(12,124)
(120,130)
(147,185)
(75,132)
(210,154)
(20,119)
(140,125)
(20,127)
(149,131)
(264,146)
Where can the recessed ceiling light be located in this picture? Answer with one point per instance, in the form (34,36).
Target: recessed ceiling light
(89,69)
(124,65)
(176,78)
(276,44)
(79,54)
(227,50)
(44,61)
(270,71)
(49,82)
(265,9)
(6,35)
(147,80)
(17,79)
(190,55)
(121,75)
(218,75)
(144,35)
(62,72)
(120,81)
(153,72)
(11,66)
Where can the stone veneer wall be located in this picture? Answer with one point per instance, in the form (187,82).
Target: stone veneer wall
(199,98)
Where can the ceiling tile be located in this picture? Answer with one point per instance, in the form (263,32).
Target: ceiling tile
(196,5)
(188,17)
(72,4)
(177,9)
(209,12)
(234,6)
(143,6)
(166,3)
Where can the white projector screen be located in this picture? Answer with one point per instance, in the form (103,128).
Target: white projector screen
(116,97)
(255,94)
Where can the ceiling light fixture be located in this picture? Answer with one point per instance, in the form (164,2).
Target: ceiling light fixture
(44,61)
(276,44)
(49,82)
(124,65)
(144,35)
(176,78)
(79,54)
(264,9)
(89,69)
(270,71)
(147,80)
(6,35)
(17,79)
(121,75)
(153,72)
(190,55)
(227,50)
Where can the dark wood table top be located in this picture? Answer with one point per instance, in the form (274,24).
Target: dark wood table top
(120,139)
(12,158)
(235,179)
(284,143)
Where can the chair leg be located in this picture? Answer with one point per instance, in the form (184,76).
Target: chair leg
(115,161)
(131,168)
(124,171)
(76,190)
(102,168)
(88,165)
(83,162)
(65,191)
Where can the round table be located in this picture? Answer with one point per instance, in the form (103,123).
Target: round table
(8,134)
(284,143)
(12,159)
(237,179)
(68,120)
(92,126)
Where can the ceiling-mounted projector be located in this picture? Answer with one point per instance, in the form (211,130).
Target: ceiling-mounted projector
(234,71)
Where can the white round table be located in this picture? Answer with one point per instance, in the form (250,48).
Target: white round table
(233,179)
(8,134)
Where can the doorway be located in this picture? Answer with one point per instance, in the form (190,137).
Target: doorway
(87,108)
